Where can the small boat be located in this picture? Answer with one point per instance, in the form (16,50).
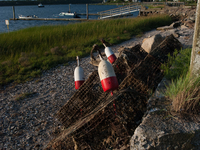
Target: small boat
(74,15)
(27,17)
(40,5)
(66,14)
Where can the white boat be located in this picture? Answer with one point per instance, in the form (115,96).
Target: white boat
(40,5)
(27,17)
(66,14)
(74,15)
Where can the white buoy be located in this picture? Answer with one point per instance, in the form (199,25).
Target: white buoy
(78,75)
(109,53)
(107,76)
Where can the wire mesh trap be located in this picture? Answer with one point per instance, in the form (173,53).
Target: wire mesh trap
(167,46)
(96,120)
(87,97)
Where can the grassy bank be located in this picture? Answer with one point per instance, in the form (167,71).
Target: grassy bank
(184,90)
(24,54)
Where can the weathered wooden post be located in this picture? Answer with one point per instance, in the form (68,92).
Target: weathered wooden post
(139,11)
(13,12)
(195,55)
(87,15)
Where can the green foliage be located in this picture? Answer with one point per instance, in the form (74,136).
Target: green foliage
(26,53)
(183,91)
(177,65)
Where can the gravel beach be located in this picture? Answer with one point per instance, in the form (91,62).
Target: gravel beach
(27,110)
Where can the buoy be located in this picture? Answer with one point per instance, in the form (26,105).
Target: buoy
(78,75)
(107,76)
(109,53)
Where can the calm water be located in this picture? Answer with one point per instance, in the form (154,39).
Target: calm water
(49,11)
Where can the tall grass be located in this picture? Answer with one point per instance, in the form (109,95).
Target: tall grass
(184,90)
(26,53)
(177,65)
(185,94)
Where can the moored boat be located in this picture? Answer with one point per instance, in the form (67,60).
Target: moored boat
(74,15)
(40,5)
(27,17)
(66,14)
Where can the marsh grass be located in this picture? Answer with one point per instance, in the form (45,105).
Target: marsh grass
(25,53)
(185,95)
(184,89)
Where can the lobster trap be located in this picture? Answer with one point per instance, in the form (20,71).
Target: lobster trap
(97,120)
(89,94)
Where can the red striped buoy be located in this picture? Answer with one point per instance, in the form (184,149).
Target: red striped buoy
(109,53)
(107,76)
(78,75)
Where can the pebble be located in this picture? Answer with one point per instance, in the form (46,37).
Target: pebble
(30,122)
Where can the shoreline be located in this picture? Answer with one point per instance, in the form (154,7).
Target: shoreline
(29,122)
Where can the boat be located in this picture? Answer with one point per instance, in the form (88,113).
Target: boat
(27,17)
(66,14)
(74,15)
(40,5)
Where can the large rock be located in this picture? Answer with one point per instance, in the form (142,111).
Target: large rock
(164,28)
(150,43)
(164,130)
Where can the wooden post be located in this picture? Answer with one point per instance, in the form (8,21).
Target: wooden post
(13,12)
(139,12)
(87,11)
(69,8)
(195,55)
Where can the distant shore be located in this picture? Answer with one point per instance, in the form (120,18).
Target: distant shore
(21,3)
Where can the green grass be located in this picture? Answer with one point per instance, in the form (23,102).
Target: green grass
(184,89)
(24,54)
(177,65)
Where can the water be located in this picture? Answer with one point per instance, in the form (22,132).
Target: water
(49,11)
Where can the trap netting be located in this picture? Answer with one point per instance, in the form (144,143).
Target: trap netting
(103,121)
(89,94)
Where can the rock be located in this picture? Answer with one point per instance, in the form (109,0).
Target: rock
(161,129)
(165,28)
(175,24)
(192,18)
(183,27)
(158,130)
(150,43)
(189,24)
(175,35)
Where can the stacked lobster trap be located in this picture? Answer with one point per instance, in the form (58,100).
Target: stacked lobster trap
(89,116)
